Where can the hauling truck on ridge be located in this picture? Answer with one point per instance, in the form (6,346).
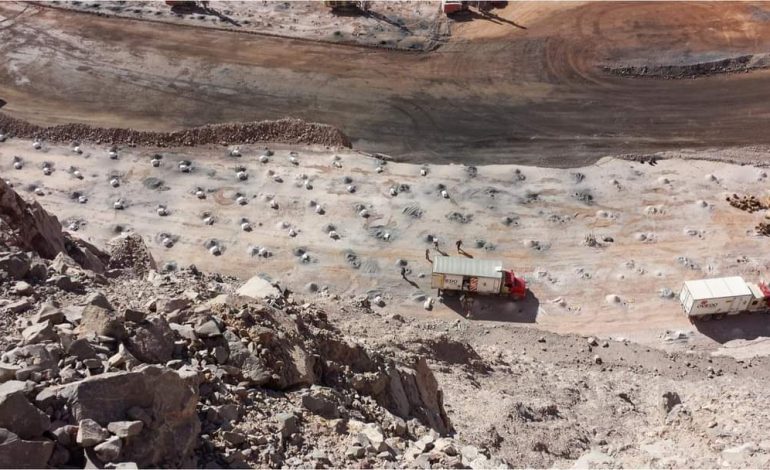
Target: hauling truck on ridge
(706,299)
(475,276)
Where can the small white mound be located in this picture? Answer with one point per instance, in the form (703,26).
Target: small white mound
(612,299)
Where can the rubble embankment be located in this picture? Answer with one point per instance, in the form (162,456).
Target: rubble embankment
(287,130)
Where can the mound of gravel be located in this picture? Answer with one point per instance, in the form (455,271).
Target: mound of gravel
(289,131)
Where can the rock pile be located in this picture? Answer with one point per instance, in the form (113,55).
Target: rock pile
(289,131)
(747,203)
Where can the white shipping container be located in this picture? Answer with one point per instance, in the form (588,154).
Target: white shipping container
(464,274)
(482,285)
(726,295)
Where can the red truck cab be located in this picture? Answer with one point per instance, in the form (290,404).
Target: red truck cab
(515,286)
(453,6)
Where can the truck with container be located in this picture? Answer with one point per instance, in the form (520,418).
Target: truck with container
(707,299)
(459,274)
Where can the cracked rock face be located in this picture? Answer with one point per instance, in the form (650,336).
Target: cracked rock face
(168,398)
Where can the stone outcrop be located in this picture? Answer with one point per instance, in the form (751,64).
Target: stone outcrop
(29,227)
(165,398)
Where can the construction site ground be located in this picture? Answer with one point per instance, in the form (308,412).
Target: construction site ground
(527,84)
(605,152)
(604,248)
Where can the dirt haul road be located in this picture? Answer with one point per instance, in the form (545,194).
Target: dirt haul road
(495,93)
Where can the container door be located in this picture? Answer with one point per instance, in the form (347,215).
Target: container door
(741,304)
(486,285)
(685,300)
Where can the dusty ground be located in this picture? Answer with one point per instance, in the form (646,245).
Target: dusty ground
(542,400)
(495,93)
(405,25)
(667,223)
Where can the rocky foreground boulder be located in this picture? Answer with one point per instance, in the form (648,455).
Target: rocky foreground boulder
(29,227)
(129,367)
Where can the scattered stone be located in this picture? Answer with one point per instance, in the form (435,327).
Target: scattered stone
(321,401)
(19,453)
(668,401)
(38,333)
(287,424)
(48,312)
(20,306)
(90,433)
(355,452)
(152,341)
(125,428)
(99,321)
(20,417)
(208,329)
(109,450)
(23,288)
(98,299)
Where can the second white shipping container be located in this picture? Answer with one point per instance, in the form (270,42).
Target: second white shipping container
(726,295)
